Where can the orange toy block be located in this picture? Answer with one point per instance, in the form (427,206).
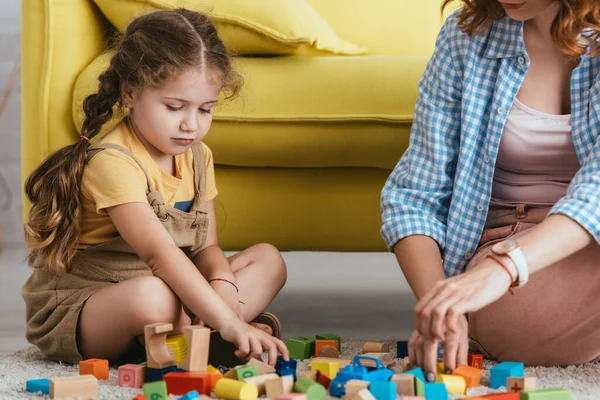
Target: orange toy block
(471,375)
(475,360)
(184,382)
(80,386)
(520,384)
(198,339)
(140,396)
(94,366)
(319,344)
(157,352)
(132,375)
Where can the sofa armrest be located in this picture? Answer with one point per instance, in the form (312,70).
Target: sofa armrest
(59,38)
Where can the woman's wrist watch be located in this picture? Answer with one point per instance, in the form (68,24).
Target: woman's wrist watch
(510,248)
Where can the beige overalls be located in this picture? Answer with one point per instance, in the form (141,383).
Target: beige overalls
(53,302)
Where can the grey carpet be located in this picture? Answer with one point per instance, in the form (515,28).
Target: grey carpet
(17,368)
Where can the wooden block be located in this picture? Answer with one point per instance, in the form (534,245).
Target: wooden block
(342,362)
(327,368)
(514,384)
(475,360)
(546,394)
(329,351)
(354,385)
(319,344)
(498,396)
(155,390)
(261,367)
(282,385)
(471,375)
(178,348)
(245,371)
(331,336)
(154,375)
(38,385)
(291,396)
(198,339)
(184,382)
(323,380)
(140,396)
(81,386)
(157,352)
(311,389)
(405,384)
(132,375)
(501,372)
(311,343)
(375,347)
(193,395)
(363,394)
(260,382)
(94,366)
(309,374)
(299,349)
(385,358)
(212,369)
(232,389)
(454,383)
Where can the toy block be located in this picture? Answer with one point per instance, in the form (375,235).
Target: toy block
(140,396)
(193,395)
(263,368)
(299,349)
(375,347)
(402,349)
(354,385)
(246,371)
(282,385)
(155,390)
(283,367)
(94,366)
(178,347)
(319,344)
(232,389)
(198,340)
(419,380)
(385,358)
(405,384)
(363,394)
(80,386)
(383,390)
(416,398)
(329,369)
(323,380)
(184,382)
(417,372)
(309,374)
(291,396)
(520,384)
(311,342)
(471,375)
(454,383)
(132,375)
(38,385)
(436,391)
(406,364)
(260,382)
(475,360)
(500,372)
(331,336)
(157,352)
(497,396)
(440,367)
(311,389)
(342,362)
(329,351)
(546,394)
(213,370)
(154,374)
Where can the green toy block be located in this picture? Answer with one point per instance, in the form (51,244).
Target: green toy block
(156,390)
(312,389)
(311,342)
(245,372)
(331,336)
(299,349)
(419,387)
(546,394)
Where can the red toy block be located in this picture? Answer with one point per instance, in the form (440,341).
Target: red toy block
(94,366)
(184,382)
(498,396)
(323,380)
(132,375)
(476,360)
(140,396)
(319,344)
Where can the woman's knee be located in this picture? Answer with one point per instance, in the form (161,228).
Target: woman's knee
(272,257)
(152,301)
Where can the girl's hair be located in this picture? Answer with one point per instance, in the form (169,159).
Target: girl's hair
(154,48)
(574,29)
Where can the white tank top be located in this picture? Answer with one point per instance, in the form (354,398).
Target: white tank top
(536,160)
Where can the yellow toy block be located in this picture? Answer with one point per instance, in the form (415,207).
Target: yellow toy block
(178,347)
(232,389)
(213,370)
(454,383)
(327,368)
(440,367)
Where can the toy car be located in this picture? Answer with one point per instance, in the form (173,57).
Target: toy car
(357,371)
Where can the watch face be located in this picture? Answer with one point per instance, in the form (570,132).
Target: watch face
(505,246)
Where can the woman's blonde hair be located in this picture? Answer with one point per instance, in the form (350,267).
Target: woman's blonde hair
(154,48)
(574,29)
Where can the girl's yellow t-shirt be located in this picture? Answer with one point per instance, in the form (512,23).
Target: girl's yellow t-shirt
(112,178)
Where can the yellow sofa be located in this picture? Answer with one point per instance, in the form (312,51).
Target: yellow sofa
(302,155)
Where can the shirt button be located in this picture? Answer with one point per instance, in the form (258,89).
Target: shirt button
(521,60)
(501,110)
(487,159)
(468,255)
(480,207)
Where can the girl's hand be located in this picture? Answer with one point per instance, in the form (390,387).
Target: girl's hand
(440,311)
(251,342)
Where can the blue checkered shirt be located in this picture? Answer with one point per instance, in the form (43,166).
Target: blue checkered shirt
(441,187)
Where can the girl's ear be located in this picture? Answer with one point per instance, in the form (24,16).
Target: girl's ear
(127,94)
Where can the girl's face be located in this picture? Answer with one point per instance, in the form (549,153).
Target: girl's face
(175,115)
(523,10)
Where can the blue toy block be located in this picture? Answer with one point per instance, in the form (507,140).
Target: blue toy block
(154,374)
(383,390)
(499,373)
(283,368)
(418,372)
(436,391)
(402,350)
(38,385)
(193,395)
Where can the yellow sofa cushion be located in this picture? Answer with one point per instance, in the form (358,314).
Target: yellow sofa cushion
(307,111)
(249,27)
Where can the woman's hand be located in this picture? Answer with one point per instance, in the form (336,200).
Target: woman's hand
(251,342)
(439,312)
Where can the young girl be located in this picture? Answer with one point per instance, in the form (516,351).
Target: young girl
(122,232)
(502,180)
